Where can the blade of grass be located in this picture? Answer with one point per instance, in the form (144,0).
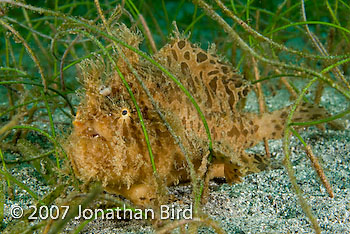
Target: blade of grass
(29,50)
(4,167)
(309,22)
(244,46)
(40,85)
(318,45)
(59,225)
(315,164)
(211,13)
(22,186)
(55,143)
(335,19)
(321,121)
(286,148)
(30,159)
(53,132)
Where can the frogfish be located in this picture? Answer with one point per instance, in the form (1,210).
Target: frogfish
(107,143)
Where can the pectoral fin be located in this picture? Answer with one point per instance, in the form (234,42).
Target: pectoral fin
(232,173)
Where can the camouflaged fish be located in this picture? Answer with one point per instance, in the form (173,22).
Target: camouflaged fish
(107,143)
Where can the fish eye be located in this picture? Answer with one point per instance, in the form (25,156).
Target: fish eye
(124,112)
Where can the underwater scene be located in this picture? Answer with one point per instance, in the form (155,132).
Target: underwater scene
(202,116)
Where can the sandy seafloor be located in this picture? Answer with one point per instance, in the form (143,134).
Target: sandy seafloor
(263,202)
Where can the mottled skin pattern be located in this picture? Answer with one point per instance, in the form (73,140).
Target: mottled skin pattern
(107,143)
(217,88)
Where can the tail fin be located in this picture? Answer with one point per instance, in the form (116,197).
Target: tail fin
(271,125)
(268,126)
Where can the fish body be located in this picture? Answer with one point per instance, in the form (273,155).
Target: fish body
(107,143)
